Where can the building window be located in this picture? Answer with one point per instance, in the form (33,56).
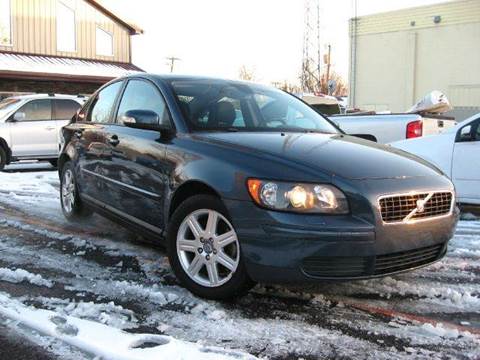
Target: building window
(5,23)
(65,28)
(104,42)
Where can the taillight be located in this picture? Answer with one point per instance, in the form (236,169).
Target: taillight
(414,129)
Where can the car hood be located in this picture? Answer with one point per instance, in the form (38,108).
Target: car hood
(334,154)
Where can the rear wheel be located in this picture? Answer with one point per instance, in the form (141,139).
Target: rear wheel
(72,206)
(204,250)
(3,158)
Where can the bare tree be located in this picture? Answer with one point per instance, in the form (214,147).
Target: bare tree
(287,86)
(341,88)
(314,85)
(245,73)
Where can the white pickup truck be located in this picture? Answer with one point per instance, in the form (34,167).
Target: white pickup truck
(386,128)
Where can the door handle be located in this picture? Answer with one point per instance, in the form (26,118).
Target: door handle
(50,128)
(114,141)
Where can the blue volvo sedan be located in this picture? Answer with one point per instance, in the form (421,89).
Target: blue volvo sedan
(245,183)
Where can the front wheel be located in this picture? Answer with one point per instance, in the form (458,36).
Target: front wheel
(204,250)
(72,206)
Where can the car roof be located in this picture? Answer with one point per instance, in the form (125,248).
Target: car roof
(176,77)
(47,96)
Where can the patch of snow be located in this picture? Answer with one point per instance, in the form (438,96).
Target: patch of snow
(107,313)
(154,293)
(25,190)
(469,217)
(439,330)
(110,343)
(19,275)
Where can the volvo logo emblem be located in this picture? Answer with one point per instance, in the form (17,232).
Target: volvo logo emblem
(421,206)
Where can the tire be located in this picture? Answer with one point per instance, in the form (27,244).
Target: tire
(209,276)
(53,162)
(72,207)
(3,158)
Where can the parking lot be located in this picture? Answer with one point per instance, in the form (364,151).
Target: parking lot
(99,272)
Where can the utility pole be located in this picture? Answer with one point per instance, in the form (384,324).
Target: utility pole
(172,60)
(328,63)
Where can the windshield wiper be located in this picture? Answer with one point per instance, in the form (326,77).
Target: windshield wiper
(311,131)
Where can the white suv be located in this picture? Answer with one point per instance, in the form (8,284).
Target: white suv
(30,126)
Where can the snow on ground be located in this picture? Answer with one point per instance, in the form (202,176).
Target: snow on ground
(99,277)
(108,342)
(19,275)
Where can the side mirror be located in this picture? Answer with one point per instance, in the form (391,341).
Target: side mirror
(143,119)
(77,116)
(19,116)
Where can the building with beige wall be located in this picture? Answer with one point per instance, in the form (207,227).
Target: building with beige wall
(398,57)
(69,46)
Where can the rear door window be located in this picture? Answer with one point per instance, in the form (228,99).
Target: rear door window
(65,109)
(37,110)
(100,110)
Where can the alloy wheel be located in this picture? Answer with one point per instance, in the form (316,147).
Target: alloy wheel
(208,248)
(68,191)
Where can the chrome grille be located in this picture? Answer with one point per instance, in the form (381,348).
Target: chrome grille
(408,207)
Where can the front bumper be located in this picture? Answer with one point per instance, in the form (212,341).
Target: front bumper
(287,247)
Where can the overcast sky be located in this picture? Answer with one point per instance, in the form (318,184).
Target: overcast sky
(217,37)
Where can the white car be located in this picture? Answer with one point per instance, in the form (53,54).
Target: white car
(30,126)
(457,153)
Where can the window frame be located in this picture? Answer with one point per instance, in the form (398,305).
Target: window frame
(88,105)
(10,119)
(10,25)
(75,48)
(171,123)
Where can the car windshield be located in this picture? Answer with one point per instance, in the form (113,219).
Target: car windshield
(6,105)
(219,105)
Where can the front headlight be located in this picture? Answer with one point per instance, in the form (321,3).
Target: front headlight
(299,197)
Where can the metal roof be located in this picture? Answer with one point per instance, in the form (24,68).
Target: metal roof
(21,66)
(132,28)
